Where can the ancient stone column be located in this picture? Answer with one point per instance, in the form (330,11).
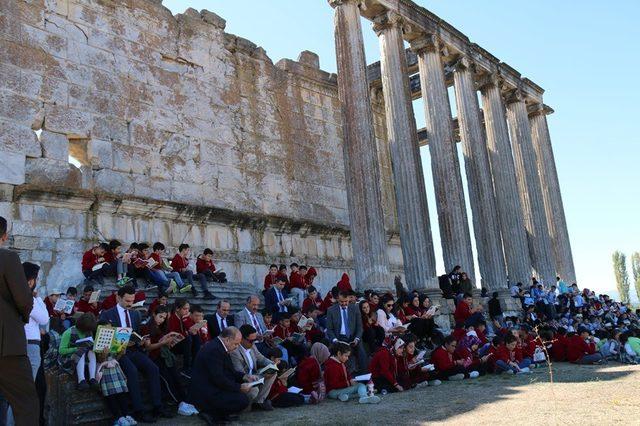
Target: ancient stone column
(452,213)
(510,212)
(362,171)
(551,194)
(411,197)
(479,182)
(529,188)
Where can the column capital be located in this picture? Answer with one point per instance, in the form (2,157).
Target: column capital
(336,3)
(386,20)
(463,62)
(514,95)
(539,109)
(490,79)
(426,43)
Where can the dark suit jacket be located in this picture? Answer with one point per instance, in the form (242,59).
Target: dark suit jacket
(334,321)
(271,300)
(212,374)
(113,317)
(16,302)
(214,327)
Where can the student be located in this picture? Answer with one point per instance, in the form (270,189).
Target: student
(93,257)
(287,331)
(559,345)
(270,278)
(175,324)
(83,304)
(446,366)
(161,300)
(309,372)
(158,270)
(180,264)
(296,284)
(384,367)
(581,349)
(312,301)
(282,272)
(205,266)
(344,284)
(280,396)
(418,374)
(338,381)
(386,319)
(156,276)
(495,309)
(372,333)
(310,276)
(161,340)
(507,359)
(466,313)
(114,257)
(193,323)
(79,356)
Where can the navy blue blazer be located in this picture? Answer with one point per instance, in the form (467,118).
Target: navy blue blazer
(111,315)
(271,300)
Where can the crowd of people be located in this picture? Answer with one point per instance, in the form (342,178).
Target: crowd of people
(302,347)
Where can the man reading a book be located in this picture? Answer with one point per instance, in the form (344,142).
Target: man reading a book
(249,361)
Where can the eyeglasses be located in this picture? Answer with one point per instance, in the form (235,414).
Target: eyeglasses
(389,305)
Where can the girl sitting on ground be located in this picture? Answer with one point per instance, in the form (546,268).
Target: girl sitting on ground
(309,372)
(338,381)
(384,367)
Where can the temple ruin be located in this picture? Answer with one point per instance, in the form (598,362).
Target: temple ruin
(181,132)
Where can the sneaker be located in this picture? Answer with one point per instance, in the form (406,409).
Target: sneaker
(422,384)
(369,399)
(457,377)
(524,371)
(122,421)
(120,283)
(186,288)
(510,371)
(131,420)
(435,383)
(343,397)
(474,374)
(173,287)
(209,296)
(185,409)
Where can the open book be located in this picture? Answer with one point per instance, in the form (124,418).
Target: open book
(114,338)
(432,310)
(304,322)
(64,305)
(257,382)
(268,369)
(94,296)
(145,263)
(428,367)
(285,375)
(98,266)
(294,389)
(363,378)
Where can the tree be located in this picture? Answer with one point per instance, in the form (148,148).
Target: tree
(622,277)
(635,267)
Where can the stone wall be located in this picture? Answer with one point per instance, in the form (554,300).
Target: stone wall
(182,132)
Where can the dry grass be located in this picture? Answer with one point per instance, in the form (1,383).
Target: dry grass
(580,395)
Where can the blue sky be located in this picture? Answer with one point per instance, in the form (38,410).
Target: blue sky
(584,54)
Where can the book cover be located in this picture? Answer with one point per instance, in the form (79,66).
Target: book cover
(94,296)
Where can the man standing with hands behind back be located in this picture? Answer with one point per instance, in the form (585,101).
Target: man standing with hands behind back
(16,302)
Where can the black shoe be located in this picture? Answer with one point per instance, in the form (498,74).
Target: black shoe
(164,411)
(93,383)
(194,292)
(83,385)
(209,296)
(264,406)
(144,417)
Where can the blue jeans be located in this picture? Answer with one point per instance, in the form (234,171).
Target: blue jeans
(503,366)
(358,389)
(189,276)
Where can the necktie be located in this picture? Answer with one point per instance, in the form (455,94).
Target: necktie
(126,317)
(280,307)
(344,320)
(256,324)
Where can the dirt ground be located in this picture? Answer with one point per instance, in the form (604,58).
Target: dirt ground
(580,395)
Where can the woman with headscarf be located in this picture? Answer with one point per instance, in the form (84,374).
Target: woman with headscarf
(309,372)
(384,365)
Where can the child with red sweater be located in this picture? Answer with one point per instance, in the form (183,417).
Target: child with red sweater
(384,367)
(419,373)
(176,325)
(270,278)
(447,367)
(83,304)
(93,257)
(205,266)
(559,345)
(312,301)
(338,381)
(581,348)
(309,372)
(508,359)
(180,264)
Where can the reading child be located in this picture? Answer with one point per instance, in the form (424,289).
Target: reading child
(114,257)
(338,381)
(205,266)
(83,305)
(309,372)
(176,325)
(76,350)
(507,359)
(92,258)
(383,365)
(175,281)
(180,264)
(291,339)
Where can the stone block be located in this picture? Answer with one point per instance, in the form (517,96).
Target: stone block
(19,138)
(213,19)
(46,243)
(100,154)
(54,145)
(18,109)
(41,256)
(68,121)
(309,59)
(31,229)
(25,243)
(112,182)
(6,209)
(48,173)
(13,170)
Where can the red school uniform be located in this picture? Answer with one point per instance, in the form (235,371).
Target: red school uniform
(204,265)
(308,373)
(269,280)
(179,263)
(326,303)
(504,354)
(109,302)
(281,332)
(89,260)
(577,348)
(85,307)
(336,375)
(559,348)
(344,284)
(310,304)
(442,360)
(158,259)
(203,332)
(296,281)
(383,365)
(277,389)
(175,324)
(463,311)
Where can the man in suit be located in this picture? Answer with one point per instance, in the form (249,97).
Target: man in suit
(344,323)
(217,390)
(135,360)
(220,320)
(275,298)
(250,315)
(16,302)
(248,360)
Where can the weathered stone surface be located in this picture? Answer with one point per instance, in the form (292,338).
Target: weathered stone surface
(13,168)
(18,138)
(54,145)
